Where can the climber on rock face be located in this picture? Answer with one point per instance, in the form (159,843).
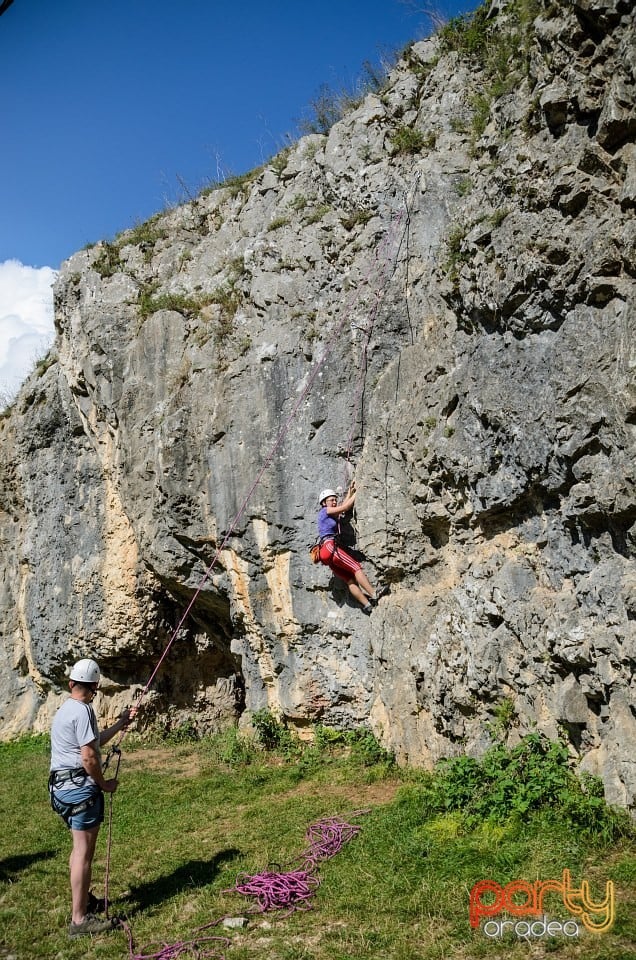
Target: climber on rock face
(334,556)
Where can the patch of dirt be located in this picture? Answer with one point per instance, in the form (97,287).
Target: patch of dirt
(355,796)
(166,760)
(190,764)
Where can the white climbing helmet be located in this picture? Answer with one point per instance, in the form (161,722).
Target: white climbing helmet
(85,671)
(326,493)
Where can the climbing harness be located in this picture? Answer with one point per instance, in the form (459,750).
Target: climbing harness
(78,778)
(314,550)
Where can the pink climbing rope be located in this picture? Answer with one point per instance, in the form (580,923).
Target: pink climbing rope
(288,890)
(328,837)
(382,276)
(385,263)
(117,753)
(293,890)
(171,951)
(389,253)
(279,891)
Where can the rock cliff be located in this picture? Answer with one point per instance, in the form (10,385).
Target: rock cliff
(437,295)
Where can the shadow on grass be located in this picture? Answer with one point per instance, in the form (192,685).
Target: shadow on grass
(189,876)
(11,866)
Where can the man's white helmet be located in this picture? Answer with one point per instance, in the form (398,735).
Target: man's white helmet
(326,493)
(85,671)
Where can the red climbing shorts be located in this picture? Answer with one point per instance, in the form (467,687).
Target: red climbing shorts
(338,560)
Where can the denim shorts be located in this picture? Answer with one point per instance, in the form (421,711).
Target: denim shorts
(86,819)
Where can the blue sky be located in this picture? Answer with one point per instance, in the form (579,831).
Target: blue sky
(114,109)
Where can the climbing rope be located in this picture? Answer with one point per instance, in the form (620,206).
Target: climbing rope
(389,253)
(293,890)
(389,257)
(387,270)
(115,751)
(277,891)
(171,951)
(288,890)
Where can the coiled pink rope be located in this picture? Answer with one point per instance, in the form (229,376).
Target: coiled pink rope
(278,891)
(328,837)
(293,890)
(289,890)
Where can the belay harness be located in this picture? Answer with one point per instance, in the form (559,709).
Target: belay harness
(78,778)
(314,550)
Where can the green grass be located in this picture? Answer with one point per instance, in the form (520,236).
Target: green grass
(108,263)
(500,46)
(190,817)
(408,140)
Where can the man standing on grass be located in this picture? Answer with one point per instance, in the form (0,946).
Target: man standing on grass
(77,786)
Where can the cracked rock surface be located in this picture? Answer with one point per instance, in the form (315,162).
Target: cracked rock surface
(444,302)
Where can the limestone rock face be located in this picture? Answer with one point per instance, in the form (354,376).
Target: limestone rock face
(438,297)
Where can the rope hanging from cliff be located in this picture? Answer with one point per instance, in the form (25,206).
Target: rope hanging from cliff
(390,249)
(390,256)
(115,751)
(387,270)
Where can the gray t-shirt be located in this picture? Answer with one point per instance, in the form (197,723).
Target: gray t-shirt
(74,725)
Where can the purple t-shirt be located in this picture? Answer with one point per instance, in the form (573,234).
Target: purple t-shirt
(327,526)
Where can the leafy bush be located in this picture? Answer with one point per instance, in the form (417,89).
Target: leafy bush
(361,743)
(499,46)
(408,140)
(268,728)
(468,34)
(494,44)
(456,256)
(187,306)
(531,778)
(273,734)
(108,262)
(280,161)
(366,749)
(233,748)
(185,732)
(145,235)
(504,718)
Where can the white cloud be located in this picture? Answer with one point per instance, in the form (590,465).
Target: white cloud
(26,322)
